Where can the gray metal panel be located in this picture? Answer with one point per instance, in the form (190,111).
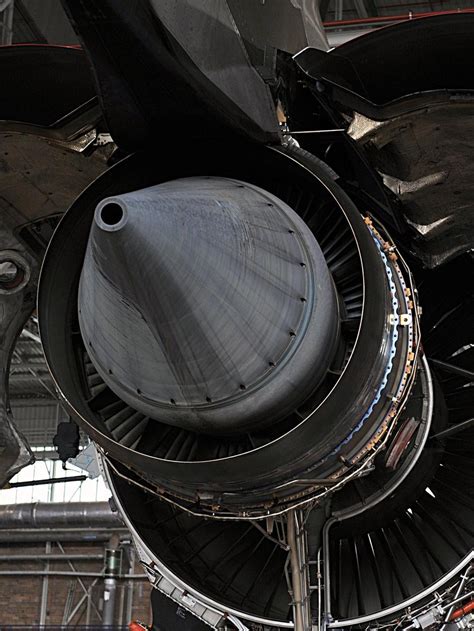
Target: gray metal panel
(288,25)
(219,54)
(50,20)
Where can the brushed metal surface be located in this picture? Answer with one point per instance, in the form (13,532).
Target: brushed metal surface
(206,303)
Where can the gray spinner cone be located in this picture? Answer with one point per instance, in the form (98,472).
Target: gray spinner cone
(206,303)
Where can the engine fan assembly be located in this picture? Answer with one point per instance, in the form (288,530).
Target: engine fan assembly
(173,390)
(149,347)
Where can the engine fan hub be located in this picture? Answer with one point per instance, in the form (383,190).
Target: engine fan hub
(207,304)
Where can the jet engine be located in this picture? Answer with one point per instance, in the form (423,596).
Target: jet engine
(260,311)
(243,344)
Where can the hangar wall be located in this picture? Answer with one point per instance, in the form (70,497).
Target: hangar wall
(23,597)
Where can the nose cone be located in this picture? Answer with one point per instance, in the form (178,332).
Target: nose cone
(206,303)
